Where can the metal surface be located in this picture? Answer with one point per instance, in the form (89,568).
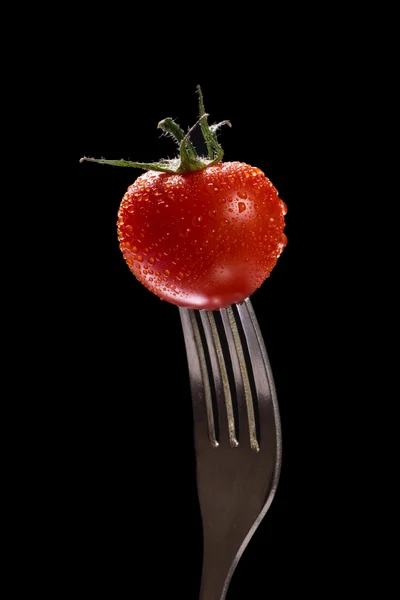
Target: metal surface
(237,434)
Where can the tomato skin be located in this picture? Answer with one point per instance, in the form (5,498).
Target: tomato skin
(202,240)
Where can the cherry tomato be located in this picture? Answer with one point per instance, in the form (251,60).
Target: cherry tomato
(198,232)
(204,239)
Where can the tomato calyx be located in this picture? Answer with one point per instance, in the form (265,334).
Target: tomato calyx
(188,160)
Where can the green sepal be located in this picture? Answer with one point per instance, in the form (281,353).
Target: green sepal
(188,160)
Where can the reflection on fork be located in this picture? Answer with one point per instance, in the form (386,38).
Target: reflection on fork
(237,434)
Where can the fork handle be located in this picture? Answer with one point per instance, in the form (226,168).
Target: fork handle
(223,547)
(214,575)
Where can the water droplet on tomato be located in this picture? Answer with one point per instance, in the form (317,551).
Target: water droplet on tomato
(129,228)
(131,209)
(152,261)
(167,273)
(134,249)
(140,258)
(242,195)
(196,221)
(141,235)
(283,207)
(241,206)
(212,212)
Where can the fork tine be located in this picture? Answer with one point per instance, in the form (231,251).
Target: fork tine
(199,381)
(263,378)
(240,370)
(221,381)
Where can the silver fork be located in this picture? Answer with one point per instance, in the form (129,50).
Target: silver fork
(237,434)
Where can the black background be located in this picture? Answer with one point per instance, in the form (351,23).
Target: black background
(126,516)
(99,440)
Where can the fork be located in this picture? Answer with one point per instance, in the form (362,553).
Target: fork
(237,434)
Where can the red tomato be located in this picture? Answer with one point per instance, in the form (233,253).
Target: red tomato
(205,239)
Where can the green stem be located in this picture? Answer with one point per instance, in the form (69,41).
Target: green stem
(215,151)
(204,126)
(166,167)
(173,128)
(188,160)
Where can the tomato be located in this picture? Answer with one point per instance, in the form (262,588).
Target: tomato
(198,232)
(205,239)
